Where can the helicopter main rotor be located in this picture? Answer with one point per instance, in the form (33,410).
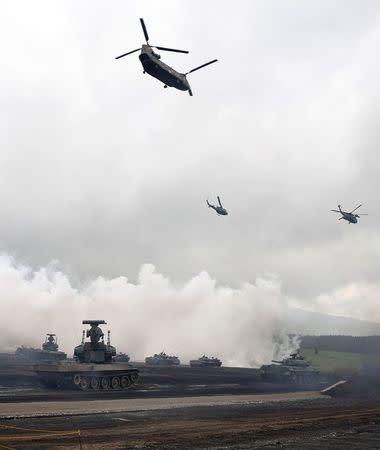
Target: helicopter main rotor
(166,49)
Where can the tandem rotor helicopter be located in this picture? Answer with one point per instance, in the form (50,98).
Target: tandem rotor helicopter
(152,65)
(349,216)
(219,209)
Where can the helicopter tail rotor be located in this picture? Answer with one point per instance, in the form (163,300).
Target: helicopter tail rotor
(200,67)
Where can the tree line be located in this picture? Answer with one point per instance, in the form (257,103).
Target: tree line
(356,344)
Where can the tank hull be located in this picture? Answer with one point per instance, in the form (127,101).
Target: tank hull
(152,361)
(197,363)
(288,374)
(73,375)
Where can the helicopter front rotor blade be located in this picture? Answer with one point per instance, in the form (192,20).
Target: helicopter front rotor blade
(355,208)
(125,54)
(220,204)
(144,30)
(200,67)
(334,210)
(170,49)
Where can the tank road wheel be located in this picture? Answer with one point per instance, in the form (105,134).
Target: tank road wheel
(133,377)
(84,383)
(105,383)
(95,384)
(124,382)
(76,379)
(115,383)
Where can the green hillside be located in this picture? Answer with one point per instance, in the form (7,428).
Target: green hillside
(335,362)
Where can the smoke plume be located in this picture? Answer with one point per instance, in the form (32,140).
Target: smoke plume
(242,326)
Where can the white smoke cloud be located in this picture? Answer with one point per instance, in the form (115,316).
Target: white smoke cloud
(242,326)
(358,300)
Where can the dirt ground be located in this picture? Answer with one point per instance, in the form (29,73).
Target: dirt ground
(299,424)
(280,416)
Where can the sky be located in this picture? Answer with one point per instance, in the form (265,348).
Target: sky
(103,171)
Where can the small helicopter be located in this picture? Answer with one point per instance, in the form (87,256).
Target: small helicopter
(152,65)
(219,209)
(349,216)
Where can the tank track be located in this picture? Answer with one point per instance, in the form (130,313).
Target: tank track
(91,381)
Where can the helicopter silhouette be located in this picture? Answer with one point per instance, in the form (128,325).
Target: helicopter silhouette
(219,209)
(152,65)
(349,216)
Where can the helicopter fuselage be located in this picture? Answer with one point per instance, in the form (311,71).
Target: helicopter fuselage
(349,217)
(158,69)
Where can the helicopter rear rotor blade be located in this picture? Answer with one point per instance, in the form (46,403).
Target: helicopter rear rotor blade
(125,54)
(200,67)
(144,30)
(170,49)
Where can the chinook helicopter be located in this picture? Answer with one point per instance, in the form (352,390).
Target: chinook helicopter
(152,65)
(349,216)
(219,209)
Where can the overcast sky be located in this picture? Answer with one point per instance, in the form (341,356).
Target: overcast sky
(104,170)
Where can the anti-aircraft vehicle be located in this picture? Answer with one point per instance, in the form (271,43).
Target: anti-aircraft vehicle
(152,64)
(205,361)
(349,216)
(294,369)
(49,351)
(162,359)
(93,368)
(219,209)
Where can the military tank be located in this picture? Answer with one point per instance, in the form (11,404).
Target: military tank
(294,369)
(162,359)
(49,351)
(93,366)
(204,361)
(122,357)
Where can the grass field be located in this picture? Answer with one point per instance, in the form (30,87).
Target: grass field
(344,362)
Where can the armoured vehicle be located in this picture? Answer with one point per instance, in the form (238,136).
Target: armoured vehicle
(49,351)
(204,361)
(122,357)
(93,366)
(162,359)
(294,369)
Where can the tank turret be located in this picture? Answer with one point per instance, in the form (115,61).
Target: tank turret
(50,343)
(95,351)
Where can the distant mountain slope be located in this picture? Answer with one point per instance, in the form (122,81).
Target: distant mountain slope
(300,321)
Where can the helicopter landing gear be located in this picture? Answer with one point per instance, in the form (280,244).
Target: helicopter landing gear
(144,71)
(165,86)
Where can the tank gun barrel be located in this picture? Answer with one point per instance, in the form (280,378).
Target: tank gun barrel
(278,362)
